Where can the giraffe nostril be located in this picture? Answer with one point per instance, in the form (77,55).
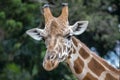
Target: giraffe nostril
(51,57)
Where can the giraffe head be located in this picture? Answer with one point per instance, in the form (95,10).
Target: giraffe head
(56,35)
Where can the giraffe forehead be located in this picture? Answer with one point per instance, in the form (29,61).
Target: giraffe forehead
(56,27)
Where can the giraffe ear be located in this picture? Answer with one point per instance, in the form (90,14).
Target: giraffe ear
(79,27)
(35,33)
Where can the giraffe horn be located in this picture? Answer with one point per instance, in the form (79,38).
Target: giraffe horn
(64,14)
(47,13)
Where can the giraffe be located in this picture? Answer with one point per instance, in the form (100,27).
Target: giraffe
(62,46)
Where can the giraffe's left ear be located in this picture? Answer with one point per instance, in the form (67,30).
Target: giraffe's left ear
(79,27)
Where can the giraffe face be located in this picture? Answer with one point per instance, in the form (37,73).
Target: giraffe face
(57,47)
(57,41)
(55,35)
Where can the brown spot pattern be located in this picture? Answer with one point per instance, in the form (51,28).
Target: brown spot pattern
(110,77)
(70,52)
(96,67)
(106,64)
(69,57)
(83,53)
(74,51)
(78,65)
(89,77)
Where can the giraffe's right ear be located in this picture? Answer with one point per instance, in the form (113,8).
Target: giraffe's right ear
(35,33)
(79,27)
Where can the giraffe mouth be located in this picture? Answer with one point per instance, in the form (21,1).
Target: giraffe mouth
(50,65)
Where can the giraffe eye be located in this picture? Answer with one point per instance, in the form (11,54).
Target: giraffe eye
(68,37)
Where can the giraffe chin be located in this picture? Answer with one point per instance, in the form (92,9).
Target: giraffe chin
(50,65)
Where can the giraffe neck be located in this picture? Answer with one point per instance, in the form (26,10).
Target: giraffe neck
(88,66)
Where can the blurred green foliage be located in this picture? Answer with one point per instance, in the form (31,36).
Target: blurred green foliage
(21,57)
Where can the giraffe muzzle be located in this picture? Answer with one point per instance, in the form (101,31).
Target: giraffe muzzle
(50,61)
(50,65)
